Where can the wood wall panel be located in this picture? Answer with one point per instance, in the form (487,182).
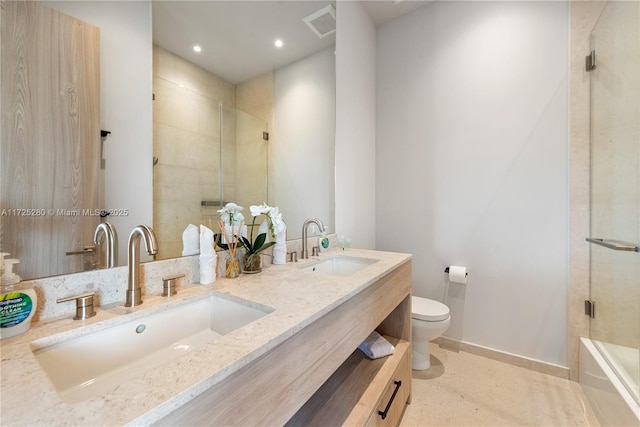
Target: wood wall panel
(50,136)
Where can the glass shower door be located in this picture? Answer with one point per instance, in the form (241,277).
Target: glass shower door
(205,155)
(253,156)
(615,190)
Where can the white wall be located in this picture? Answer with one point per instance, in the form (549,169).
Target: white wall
(472,165)
(355,125)
(304,128)
(126,91)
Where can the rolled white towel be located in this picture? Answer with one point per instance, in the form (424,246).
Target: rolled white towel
(206,241)
(208,268)
(280,248)
(190,240)
(375,346)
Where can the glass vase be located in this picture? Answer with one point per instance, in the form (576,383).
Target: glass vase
(251,263)
(233,268)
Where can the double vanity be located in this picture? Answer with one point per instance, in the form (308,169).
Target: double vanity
(274,348)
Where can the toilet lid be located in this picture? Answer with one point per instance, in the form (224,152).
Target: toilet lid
(428,309)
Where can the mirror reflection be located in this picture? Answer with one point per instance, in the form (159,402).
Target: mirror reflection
(240,76)
(241,120)
(253,88)
(206,153)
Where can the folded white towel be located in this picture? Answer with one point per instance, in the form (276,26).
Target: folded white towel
(207,268)
(280,248)
(376,346)
(206,241)
(190,240)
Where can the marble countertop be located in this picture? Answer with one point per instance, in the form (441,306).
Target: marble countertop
(297,298)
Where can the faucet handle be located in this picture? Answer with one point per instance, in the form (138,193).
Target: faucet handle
(169,285)
(315,251)
(292,256)
(85,251)
(84,305)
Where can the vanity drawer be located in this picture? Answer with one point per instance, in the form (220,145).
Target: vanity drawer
(394,398)
(359,389)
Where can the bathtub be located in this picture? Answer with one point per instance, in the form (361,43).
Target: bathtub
(609,397)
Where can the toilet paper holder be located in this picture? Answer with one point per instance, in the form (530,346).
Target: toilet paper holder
(446,270)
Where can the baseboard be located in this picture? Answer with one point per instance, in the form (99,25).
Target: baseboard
(512,359)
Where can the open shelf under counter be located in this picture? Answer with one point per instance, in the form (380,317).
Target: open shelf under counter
(362,391)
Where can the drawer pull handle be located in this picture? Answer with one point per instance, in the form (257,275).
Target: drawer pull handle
(393,396)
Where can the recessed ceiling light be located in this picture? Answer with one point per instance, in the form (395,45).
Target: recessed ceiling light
(278,43)
(197,48)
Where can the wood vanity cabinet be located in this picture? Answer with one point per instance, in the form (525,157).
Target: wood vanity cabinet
(318,376)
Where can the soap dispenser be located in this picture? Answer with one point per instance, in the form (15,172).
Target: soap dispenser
(323,242)
(18,302)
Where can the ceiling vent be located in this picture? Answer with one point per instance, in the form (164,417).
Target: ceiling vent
(322,22)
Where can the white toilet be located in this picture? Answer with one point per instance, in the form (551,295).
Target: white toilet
(429,320)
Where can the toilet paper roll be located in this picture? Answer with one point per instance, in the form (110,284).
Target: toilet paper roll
(457,274)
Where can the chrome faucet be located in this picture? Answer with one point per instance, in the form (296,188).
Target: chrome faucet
(305,252)
(107,232)
(134,292)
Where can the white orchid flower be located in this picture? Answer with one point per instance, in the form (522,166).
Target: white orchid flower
(231,207)
(224,216)
(262,209)
(230,214)
(276,220)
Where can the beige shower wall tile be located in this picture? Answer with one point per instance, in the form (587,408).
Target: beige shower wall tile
(256,97)
(164,63)
(171,222)
(616,85)
(584,15)
(615,273)
(580,170)
(181,72)
(618,26)
(178,147)
(185,186)
(579,96)
(616,157)
(174,106)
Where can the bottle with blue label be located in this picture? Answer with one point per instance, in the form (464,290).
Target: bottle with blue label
(323,242)
(17,302)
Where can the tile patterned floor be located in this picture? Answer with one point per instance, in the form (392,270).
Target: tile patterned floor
(462,389)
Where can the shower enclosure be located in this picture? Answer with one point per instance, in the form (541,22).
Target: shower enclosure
(615,190)
(205,155)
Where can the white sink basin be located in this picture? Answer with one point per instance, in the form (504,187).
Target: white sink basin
(340,265)
(92,364)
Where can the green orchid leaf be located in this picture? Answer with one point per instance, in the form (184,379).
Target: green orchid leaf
(265,246)
(246,243)
(259,241)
